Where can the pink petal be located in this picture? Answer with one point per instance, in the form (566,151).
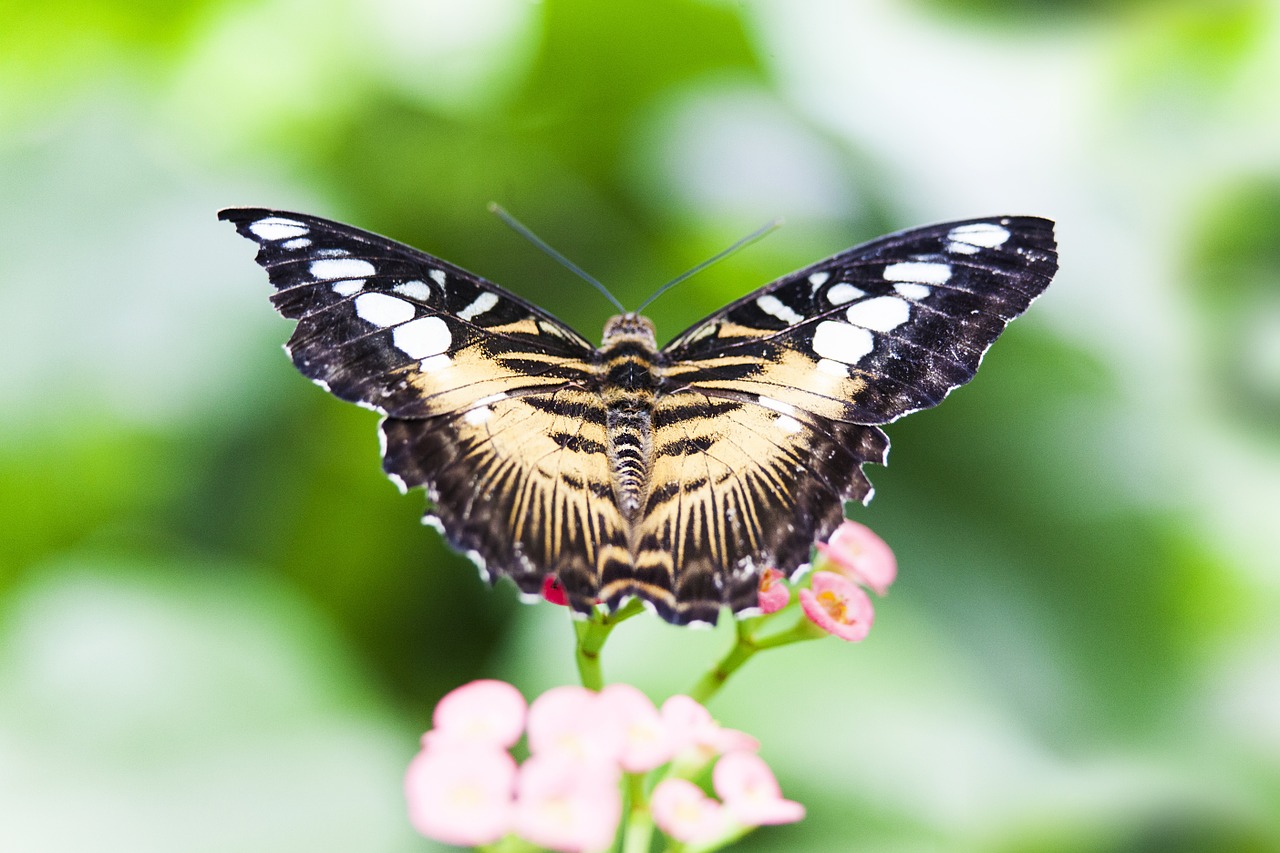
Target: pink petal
(838,606)
(683,811)
(689,726)
(773,595)
(862,556)
(574,722)
(695,736)
(461,794)
(750,791)
(646,743)
(732,740)
(566,805)
(482,712)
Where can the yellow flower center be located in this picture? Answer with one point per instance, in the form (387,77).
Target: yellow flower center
(835,606)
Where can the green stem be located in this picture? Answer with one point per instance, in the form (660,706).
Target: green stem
(591,634)
(744,648)
(740,653)
(639,832)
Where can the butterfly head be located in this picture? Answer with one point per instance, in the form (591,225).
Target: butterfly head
(629,327)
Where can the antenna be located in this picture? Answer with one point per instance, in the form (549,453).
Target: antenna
(519,228)
(745,241)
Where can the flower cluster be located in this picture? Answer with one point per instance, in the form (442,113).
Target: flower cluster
(834,601)
(595,753)
(465,788)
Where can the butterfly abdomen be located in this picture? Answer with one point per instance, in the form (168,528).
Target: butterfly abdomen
(628,354)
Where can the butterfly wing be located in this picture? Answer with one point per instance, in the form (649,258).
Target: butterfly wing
(799,373)
(487,399)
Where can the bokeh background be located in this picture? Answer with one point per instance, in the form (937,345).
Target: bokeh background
(221,629)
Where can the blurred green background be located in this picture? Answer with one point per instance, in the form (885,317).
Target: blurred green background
(222,629)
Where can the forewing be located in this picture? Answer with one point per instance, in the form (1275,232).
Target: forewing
(397,330)
(794,378)
(483,393)
(876,332)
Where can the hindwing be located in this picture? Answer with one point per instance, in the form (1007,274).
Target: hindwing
(737,488)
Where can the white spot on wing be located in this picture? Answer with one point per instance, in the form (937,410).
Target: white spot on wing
(300,243)
(423,337)
(777,405)
(835,368)
(912,290)
(818,279)
(962,249)
(843,292)
(492,398)
(482,303)
(383,310)
(988,235)
(437,276)
(922,272)
(474,556)
(881,314)
(478,415)
(348,287)
(774,307)
(327,269)
(278,228)
(414,290)
(435,363)
(842,342)
(788,424)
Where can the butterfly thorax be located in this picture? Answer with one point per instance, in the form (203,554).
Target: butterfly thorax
(627,366)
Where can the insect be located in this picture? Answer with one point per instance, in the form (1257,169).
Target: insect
(675,474)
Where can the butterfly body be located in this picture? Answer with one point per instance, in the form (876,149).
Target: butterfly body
(676,474)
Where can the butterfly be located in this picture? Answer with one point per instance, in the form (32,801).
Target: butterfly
(674,474)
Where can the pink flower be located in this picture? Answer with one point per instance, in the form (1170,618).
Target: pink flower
(574,722)
(646,743)
(773,595)
(483,712)
(553,591)
(695,736)
(681,810)
(838,606)
(751,793)
(860,555)
(567,805)
(461,793)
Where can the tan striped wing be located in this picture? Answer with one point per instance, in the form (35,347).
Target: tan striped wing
(482,393)
(520,484)
(766,409)
(738,487)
